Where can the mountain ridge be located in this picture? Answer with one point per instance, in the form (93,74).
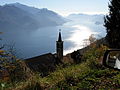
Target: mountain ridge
(18,16)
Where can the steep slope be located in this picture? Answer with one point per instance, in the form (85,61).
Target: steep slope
(43,14)
(25,8)
(14,16)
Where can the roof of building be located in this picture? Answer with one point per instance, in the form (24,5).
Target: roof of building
(41,63)
(42,58)
(59,38)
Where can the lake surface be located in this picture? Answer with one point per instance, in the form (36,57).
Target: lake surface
(43,40)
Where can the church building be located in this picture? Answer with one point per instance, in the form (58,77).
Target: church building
(59,47)
(47,62)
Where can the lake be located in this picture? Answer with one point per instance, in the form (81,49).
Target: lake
(43,40)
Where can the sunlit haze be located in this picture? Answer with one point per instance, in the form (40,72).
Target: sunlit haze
(81,33)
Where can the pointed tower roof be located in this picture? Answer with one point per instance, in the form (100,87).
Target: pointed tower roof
(59,38)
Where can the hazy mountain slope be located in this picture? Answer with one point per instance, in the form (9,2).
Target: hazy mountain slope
(12,17)
(18,16)
(25,8)
(42,14)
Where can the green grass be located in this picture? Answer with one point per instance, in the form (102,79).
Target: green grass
(88,75)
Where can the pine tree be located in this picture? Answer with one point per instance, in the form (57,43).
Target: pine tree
(112,24)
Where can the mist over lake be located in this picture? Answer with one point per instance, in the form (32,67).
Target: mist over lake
(33,31)
(30,43)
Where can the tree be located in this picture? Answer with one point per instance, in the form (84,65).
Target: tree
(15,68)
(92,38)
(76,56)
(112,24)
(86,42)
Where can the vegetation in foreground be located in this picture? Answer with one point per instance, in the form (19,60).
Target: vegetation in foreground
(90,74)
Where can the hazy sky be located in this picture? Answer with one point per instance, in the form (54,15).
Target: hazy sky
(65,7)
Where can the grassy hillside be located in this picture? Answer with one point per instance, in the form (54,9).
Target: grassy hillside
(90,74)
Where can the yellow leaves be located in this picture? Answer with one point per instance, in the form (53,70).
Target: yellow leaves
(6,78)
(10,67)
(2,51)
(103,47)
(4,75)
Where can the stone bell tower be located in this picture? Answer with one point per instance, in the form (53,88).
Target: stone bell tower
(59,47)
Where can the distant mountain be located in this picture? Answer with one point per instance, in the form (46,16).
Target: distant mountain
(12,17)
(85,18)
(29,9)
(43,15)
(17,16)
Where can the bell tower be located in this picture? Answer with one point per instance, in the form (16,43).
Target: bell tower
(59,46)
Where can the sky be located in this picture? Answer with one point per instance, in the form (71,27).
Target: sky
(66,7)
